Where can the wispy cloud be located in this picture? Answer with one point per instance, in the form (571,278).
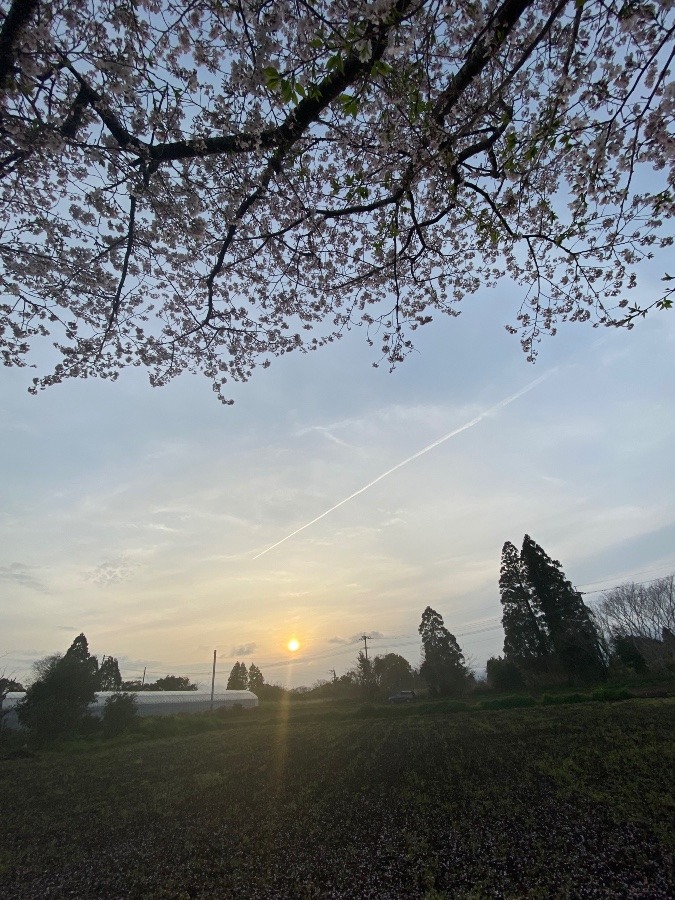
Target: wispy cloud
(18,573)
(112,571)
(324,431)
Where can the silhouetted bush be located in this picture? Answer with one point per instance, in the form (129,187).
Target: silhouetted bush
(504,675)
(120,714)
(555,699)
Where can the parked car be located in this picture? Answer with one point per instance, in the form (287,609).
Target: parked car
(403,697)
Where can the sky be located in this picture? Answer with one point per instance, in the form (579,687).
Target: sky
(333,499)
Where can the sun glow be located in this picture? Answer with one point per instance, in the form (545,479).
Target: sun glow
(293,645)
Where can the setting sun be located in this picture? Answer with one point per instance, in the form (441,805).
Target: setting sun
(293,645)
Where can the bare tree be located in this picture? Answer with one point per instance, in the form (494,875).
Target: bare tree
(639,609)
(203,186)
(644,616)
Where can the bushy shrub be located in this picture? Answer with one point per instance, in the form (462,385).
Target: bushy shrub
(450,706)
(611,695)
(555,699)
(504,675)
(120,714)
(507,702)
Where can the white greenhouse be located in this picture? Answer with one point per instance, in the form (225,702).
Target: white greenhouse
(149,703)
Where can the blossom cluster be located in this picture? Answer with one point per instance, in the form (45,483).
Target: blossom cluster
(205,186)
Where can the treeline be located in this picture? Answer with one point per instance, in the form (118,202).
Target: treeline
(57,701)
(167,683)
(443,671)
(551,637)
(243,679)
(103,676)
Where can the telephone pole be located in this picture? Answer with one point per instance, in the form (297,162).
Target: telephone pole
(213,678)
(365,638)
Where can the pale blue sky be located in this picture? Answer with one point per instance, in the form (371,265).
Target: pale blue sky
(134,514)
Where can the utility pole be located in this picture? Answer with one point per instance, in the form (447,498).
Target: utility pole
(365,638)
(213,678)
(143,682)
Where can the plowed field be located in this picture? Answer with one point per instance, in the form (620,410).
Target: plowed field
(570,801)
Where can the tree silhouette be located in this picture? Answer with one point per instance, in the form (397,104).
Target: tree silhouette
(238,680)
(56,703)
(174,683)
(547,626)
(526,637)
(391,672)
(574,636)
(255,678)
(443,668)
(364,676)
(109,677)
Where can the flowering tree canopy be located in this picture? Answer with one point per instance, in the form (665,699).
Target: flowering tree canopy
(204,185)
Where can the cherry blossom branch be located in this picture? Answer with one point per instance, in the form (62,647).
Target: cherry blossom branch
(480,54)
(298,162)
(117,300)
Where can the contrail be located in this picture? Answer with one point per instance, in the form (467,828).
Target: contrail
(446,437)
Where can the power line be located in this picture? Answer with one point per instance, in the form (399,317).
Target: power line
(347,648)
(628,577)
(606,589)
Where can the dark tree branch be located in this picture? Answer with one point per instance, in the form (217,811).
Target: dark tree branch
(357,208)
(16,20)
(480,54)
(117,301)
(296,123)
(305,113)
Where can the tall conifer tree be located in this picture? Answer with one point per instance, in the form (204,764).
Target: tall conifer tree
(572,632)
(444,668)
(255,679)
(109,676)
(526,637)
(238,680)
